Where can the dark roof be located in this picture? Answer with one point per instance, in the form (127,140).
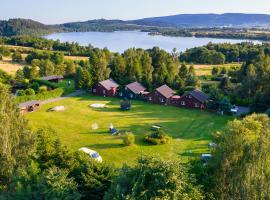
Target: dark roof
(109,84)
(53,77)
(28,103)
(136,87)
(199,95)
(165,91)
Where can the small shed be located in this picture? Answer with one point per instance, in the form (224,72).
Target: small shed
(29,106)
(107,88)
(53,78)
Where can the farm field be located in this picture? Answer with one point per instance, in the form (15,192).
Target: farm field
(191,129)
(10,67)
(205,70)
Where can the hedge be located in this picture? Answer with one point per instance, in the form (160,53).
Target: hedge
(46,83)
(41,96)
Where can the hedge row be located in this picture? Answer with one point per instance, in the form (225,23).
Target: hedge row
(41,96)
(47,83)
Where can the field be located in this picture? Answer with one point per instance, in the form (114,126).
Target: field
(191,129)
(10,67)
(205,70)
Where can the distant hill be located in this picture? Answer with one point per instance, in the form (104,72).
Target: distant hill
(22,27)
(207,20)
(27,26)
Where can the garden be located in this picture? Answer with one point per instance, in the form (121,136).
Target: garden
(186,132)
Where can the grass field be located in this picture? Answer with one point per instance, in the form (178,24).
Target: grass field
(191,129)
(10,67)
(202,70)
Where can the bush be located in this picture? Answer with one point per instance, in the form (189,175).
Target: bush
(17,57)
(129,139)
(1,57)
(35,86)
(46,83)
(157,138)
(41,96)
(30,91)
(21,93)
(43,89)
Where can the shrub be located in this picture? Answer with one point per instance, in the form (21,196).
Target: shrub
(43,89)
(157,138)
(1,57)
(46,83)
(17,57)
(30,91)
(21,93)
(129,139)
(35,86)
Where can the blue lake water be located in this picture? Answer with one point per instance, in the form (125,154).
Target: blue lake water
(119,41)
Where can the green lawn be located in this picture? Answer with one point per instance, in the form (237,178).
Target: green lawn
(191,129)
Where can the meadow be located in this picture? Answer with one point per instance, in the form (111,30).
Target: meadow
(191,130)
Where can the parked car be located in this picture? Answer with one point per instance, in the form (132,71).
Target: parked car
(206,157)
(93,154)
(234,109)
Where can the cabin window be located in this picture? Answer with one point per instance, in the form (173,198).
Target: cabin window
(162,100)
(196,105)
(183,103)
(104,92)
(131,95)
(120,94)
(150,98)
(94,90)
(189,96)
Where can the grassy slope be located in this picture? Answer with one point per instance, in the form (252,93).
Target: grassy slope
(190,129)
(207,69)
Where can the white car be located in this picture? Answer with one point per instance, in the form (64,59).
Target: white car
(92,154)
(234,109)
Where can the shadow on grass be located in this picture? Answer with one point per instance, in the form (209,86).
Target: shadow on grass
(105,146)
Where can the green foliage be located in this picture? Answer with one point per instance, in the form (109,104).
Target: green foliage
(30,91)
(154,178)
(41,96)
(157,138)
(4,77)
(242,159)
(15,138)
(19,77)
(17,57)
(43,89)
(35,86)
(129,139)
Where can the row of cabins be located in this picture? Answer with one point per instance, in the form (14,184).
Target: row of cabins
(163,95)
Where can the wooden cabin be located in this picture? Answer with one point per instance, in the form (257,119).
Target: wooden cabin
(161,95)
(133,91)
(194,99)
(107,88)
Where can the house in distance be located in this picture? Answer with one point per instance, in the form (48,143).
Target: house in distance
(53,78)
(107,88)
(161,95)
(194,99)
(133,90)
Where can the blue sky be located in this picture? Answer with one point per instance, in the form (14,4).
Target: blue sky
(59,11)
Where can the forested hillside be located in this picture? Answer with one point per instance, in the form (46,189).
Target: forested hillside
(22,27)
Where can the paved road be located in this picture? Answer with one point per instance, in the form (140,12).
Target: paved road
(74,94)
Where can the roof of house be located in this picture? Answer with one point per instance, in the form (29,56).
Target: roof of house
(166,91)
(53,77)
(109,84)
(28,103)
(199,95)
(136,87)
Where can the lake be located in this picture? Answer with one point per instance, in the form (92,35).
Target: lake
(119,41)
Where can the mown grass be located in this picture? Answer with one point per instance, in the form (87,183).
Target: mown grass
(190,129)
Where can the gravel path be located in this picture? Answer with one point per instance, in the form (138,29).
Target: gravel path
(74,94)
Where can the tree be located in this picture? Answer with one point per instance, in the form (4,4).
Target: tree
(241,159)
(225,83)
(46,68)
(99,65)
(215,71)
(16,140)
(153,178)
(17,57)
(19,76)
(183,72)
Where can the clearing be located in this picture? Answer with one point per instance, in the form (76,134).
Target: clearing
(191,129)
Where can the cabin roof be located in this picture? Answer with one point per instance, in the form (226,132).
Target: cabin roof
(52,77)
(136,87)
(199,95)
(166,91)
(28,104)
(109,84)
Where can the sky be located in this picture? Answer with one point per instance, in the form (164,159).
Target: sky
(60,11)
